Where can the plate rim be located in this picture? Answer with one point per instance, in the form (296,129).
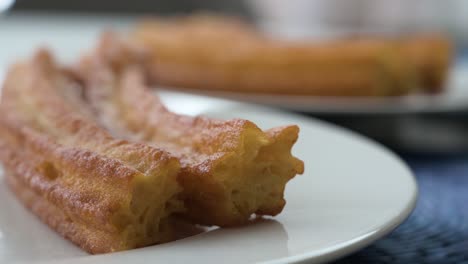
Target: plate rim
(335,105)
(358,106)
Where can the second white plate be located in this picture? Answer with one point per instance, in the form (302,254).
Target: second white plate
(454,99)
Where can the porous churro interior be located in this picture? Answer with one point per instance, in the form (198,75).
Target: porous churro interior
(229,169)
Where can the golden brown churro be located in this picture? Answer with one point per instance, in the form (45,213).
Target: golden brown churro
(431,56)
(229,169)
(102,193)
(215,53)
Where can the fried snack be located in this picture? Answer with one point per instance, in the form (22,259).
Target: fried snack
(229,169)
(432,56)
(102,193)
(213,53)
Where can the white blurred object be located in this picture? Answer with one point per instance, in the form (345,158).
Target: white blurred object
(296,18)
(5,4)
(402,15)
(325,18)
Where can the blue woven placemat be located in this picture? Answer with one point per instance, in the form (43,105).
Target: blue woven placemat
(437,230)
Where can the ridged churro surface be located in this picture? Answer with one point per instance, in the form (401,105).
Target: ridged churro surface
(229,169)
(432,56)
(217,53)
(102,193)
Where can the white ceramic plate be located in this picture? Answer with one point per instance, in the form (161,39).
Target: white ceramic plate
(455,98)
(352,193)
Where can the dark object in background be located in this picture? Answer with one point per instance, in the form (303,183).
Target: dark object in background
(135,6)
(435,133)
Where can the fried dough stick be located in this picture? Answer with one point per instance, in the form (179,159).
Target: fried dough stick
(213,53)
(432,56)
(102,193)
(230,169)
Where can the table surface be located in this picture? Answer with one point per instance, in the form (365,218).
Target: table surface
(436,232)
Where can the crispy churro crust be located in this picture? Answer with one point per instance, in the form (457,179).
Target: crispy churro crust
(229,169)
(102,193)
(218,53)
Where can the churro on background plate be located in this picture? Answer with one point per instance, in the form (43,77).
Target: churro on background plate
(224,54)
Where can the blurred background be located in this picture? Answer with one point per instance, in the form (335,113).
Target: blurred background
(410,132)
(294,17)
(434,143)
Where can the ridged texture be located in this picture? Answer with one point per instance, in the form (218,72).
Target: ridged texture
(229,169)
(218,53)
(102,193)
(221,54)
(432,56)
